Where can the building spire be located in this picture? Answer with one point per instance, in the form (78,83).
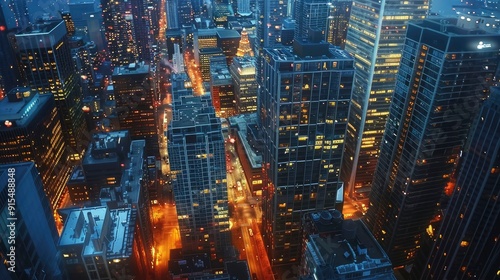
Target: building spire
(244,48)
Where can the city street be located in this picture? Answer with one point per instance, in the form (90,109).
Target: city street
(166,236)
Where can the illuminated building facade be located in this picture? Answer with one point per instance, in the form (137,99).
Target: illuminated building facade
(375,38)
(198,167)
(70,24)
(444,75)
(203,38)
(245,86)
(136,103)
(340,12)
(244,47)
(206,56)
(35,232)
(119,29)
(30,130)
(466,243)
(303,117)
(222,89)
(44,55)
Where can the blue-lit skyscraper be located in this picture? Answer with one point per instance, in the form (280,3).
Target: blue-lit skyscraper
(445,73)
(304,105)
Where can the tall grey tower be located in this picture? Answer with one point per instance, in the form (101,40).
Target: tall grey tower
(303,116)
(445,73)
(197,160)
(375,38)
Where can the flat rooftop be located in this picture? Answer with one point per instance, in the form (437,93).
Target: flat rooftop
(132,69)
(21,112)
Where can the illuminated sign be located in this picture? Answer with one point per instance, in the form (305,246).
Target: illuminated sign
(483,45)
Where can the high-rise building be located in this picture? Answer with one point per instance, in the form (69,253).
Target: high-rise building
(33,254)
(197,162)
(44,54)
(185,12)
(338,21)
(68,20)
(445,72)
(9,72)
(375,38)
(30,129)
(303,117)
(466,243)
(118,25)
(203,38)
(245,86)
(228,40)
(172,15)
(311,15)
(271,15)
(142,29)
(222,89)
(206,56)
(136,103)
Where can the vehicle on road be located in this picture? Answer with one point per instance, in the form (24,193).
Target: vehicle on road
(250,231)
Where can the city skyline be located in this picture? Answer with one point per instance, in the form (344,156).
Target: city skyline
(249,139)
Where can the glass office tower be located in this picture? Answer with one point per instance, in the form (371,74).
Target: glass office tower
(466,244)
(303,117)
(375,38)
(445,73)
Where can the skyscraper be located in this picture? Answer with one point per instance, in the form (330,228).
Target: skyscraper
(136,103)
(118,24)
(311,14)
(244,7)
(31,222)
(245,86)
(303,117)
(375,38)
(9,72)
(445,72)
(43,53)
(30,129)
(172,16)
(338,21)
(197,162)
(466,244)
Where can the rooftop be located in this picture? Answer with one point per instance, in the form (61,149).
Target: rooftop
(344,245)
(20,106)
(96,227)
(132,175)
(228,33)
(132,69)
